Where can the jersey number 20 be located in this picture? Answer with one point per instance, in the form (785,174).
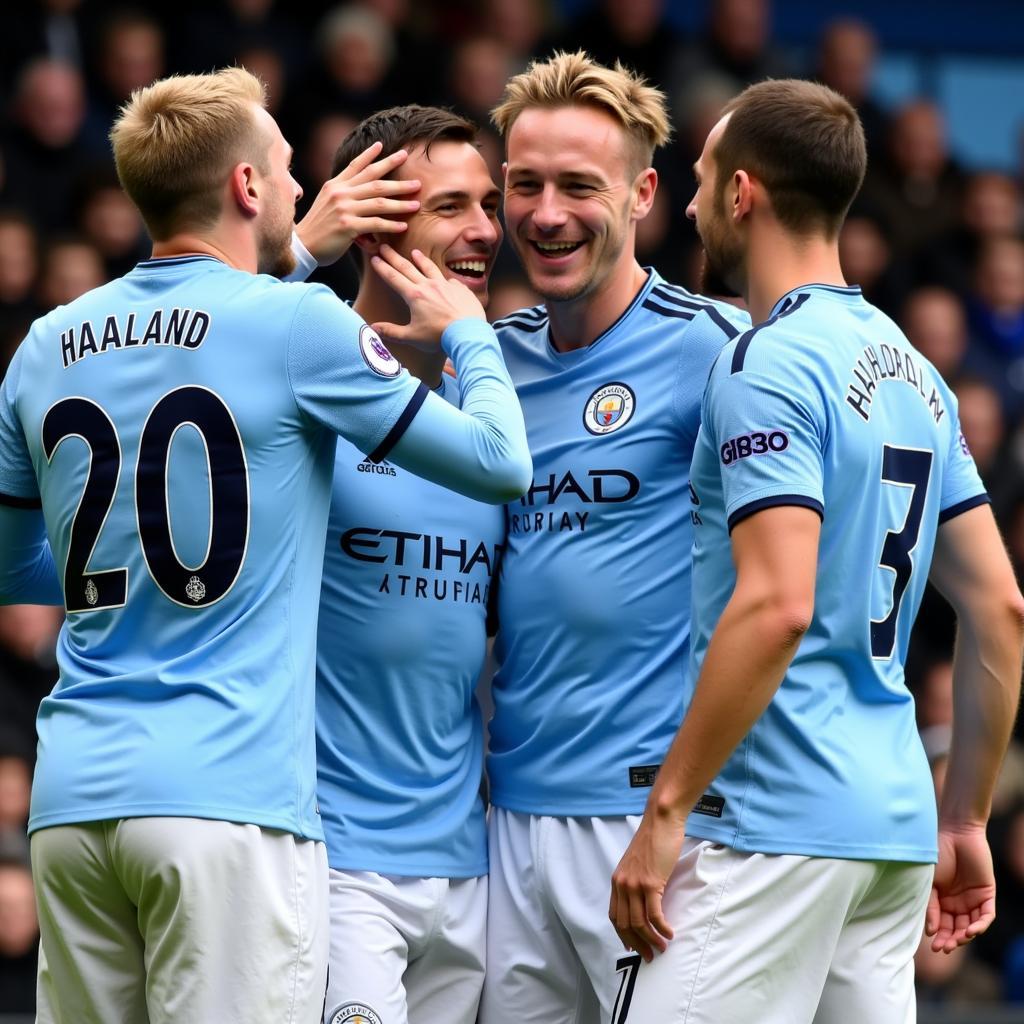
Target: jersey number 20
(196,587)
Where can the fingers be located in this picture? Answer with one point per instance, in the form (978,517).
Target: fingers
(371,171)
(360,161)
(392,332)
(369,190)
(931,915)
(426,265)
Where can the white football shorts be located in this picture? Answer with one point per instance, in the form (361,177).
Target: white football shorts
(782,939)
(165,920)
(405,950)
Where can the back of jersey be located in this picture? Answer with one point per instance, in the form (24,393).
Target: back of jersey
(828,406)
(185,492)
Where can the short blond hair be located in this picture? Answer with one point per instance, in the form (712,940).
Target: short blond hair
(176,141)
(575,79)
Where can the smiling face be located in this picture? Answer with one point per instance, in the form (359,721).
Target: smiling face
(457,224)
(570,199)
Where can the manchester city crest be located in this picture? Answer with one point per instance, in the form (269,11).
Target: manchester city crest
(609,408)
(195,589)
(376,354)
(355,1013)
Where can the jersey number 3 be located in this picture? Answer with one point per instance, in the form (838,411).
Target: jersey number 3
(902,467)
(229,498)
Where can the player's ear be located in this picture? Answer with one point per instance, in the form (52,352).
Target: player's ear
(742,195)
(243,188)
(370,243)
(644,186)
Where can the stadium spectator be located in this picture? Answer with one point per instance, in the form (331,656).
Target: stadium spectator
(845,61)
(19,267)
(43,153)
(19,936)
(935,322)
(71,266)
(112,225)
(867,260)
(915,190)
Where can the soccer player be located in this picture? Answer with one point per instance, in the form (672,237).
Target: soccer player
(594,586)
(830,477)
(177,427)
(401,642)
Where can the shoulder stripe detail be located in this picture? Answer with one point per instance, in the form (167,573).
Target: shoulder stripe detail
(964,506)
(678,300)
(530,313)
(13,501)
(776,500)
(681,314)
(740,352)
(523,325)
(696,303)
(394,435)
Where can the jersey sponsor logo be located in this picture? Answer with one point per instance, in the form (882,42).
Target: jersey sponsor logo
(712,806)
(609,408)
(376,468)
(376,354)
(355,1013)
(760,442)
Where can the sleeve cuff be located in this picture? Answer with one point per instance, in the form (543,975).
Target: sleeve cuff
(394,435)
(305,262)
(963,506)
(773,501)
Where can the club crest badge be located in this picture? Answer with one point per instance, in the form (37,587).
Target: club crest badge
(355,1013)
(195,589)
(609,408)
(92,594)
(376,354)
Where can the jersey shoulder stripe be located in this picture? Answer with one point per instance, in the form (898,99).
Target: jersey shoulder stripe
(739,354)
(676,295)
(681,314)
(531,319)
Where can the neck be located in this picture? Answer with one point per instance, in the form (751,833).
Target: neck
(239,252)
(376,303)
(777,262)
(579,322)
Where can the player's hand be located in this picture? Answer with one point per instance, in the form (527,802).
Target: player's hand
(434,301)
(358,201)
(963,899)
(638,884)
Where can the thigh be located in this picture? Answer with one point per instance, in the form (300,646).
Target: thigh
(445,980)
(754,937)
(533,970)
(91,964)
(871,977)
(234,919)
(578,856)
(374,919)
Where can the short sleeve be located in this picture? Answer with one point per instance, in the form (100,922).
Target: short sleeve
(769,441)
(343,376)
(962,488)
(18,484)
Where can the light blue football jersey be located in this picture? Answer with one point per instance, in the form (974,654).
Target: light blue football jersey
(400,646)
(178,427)
(594,593)
(827,405)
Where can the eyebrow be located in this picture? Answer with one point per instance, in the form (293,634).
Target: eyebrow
(459,195)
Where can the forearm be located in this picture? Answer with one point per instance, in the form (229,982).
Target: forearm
(28,574)
(480,449)
(987,671)
(747,657)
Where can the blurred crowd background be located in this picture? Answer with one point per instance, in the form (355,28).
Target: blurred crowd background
(936,239)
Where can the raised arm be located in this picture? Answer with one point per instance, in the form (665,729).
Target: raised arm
(972,571)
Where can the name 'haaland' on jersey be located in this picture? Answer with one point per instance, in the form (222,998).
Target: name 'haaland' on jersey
(184,328)
(889,363)
(427,552)
(599,487)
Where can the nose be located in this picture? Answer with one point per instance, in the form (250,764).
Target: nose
(691,209)
(549,214)
(483,227)
(298,190)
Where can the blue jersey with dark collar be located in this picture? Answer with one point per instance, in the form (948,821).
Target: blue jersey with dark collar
(594,594)
(828,406)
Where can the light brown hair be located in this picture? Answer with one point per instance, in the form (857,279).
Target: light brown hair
(575,79)
(804,142)
(176,141)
